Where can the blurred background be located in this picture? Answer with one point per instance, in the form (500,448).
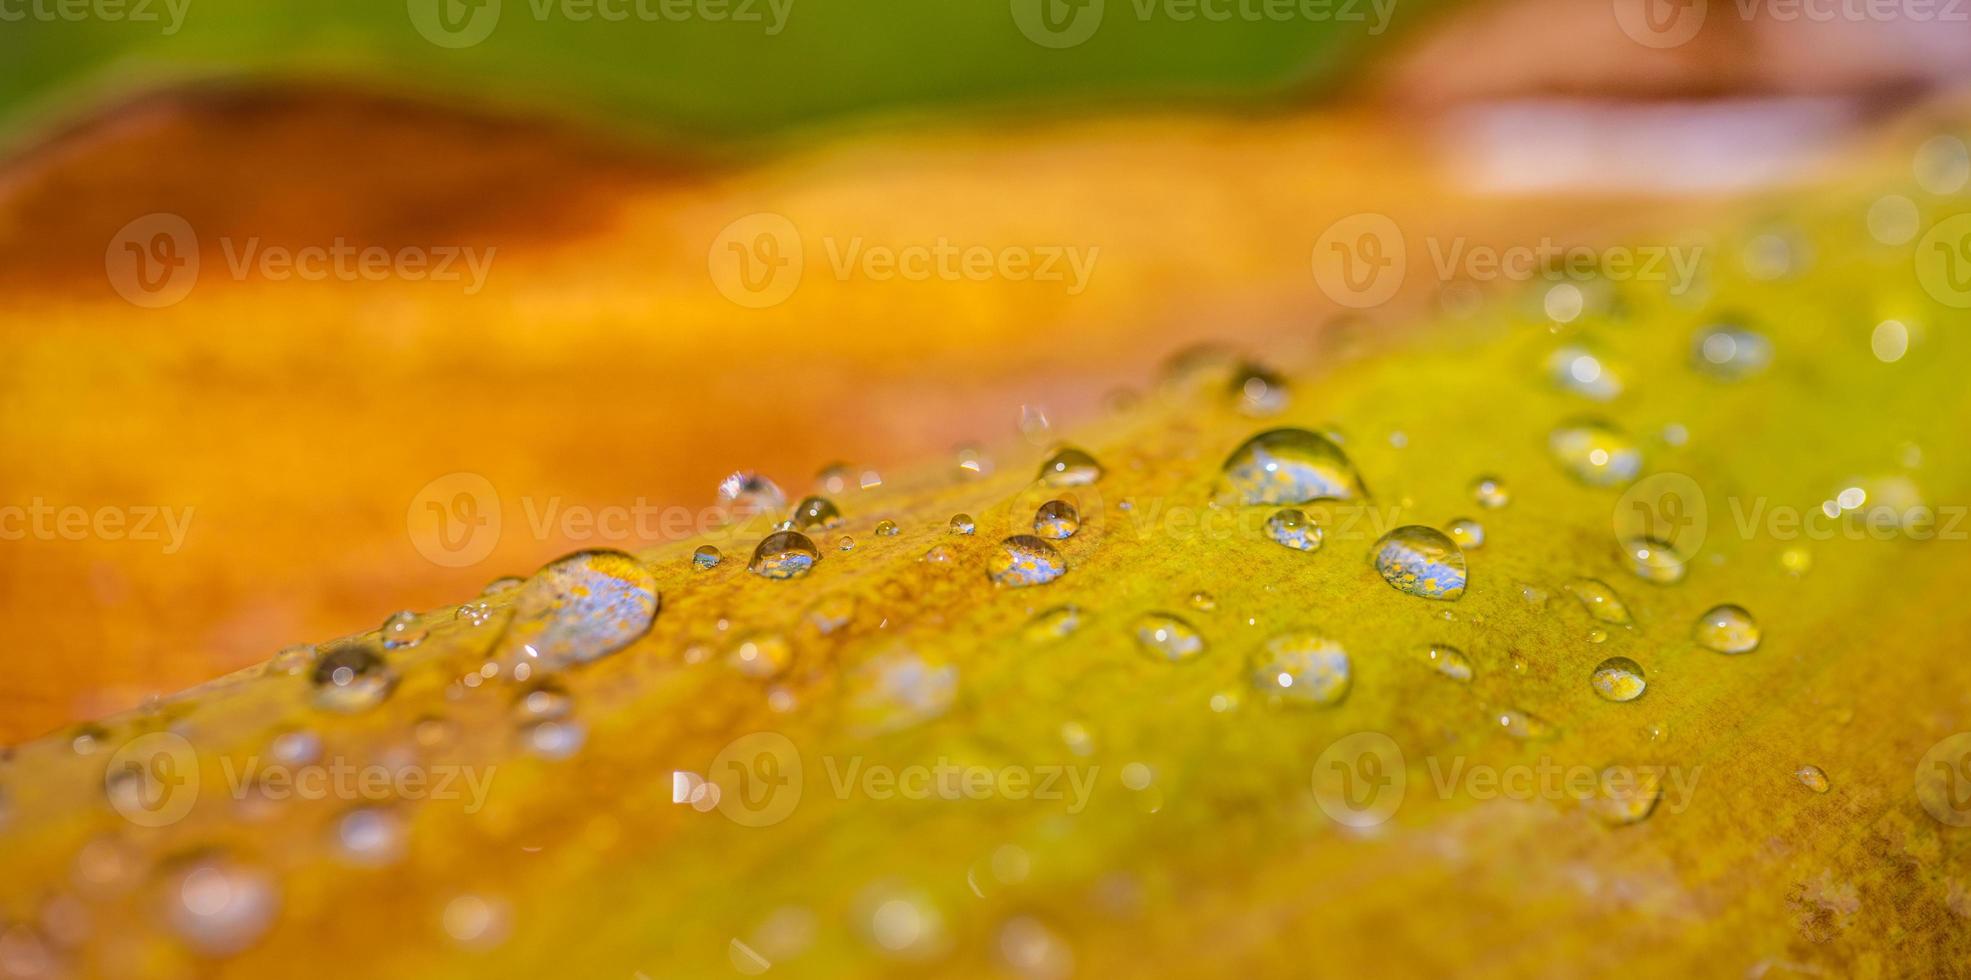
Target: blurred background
(292,295)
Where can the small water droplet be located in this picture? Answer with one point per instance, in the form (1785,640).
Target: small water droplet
(218,905)
(1301,668)
(505,583)
(402,631)
(292,660)
(477,922)
(1421,561)
(1056,519)
(886,529)
(351,677)
(845,543)
(939,554)
(1490,492)
(1812,778)
(1070,467)
(1596,453)
(1654,561)
(580,608)
(1293,529)
(1618,679)
(706,557)
(1288,466)
(973,463)
(1600,601)
(1030,949)
(1730,352)
(835,478)
(554,739)
(1523,724)
(1167,637)
(784,555)
(370,836)
(1625,794)
(816,512)
(1023,560)
(545,700)
(1203,601)
(1727,629)
(1467,533)
(962,524)
(744,494)
(762,657)
(1257,392)
(1577,370)
(1449,661)
(1054,624)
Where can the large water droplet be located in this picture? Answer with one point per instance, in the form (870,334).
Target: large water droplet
(784,555)
(1301,668)
(1726,629)
(1167,637)
(1596,453)
(963,524)
(1288,466)
(351,677)
(1070,467)
(1023,560)
(1654,561)
(1600,601)
(1421,561)
(1292,528)
(744,494)
(1618,679)
(583,607)
(1812,778)
(816,512)
(1056,519)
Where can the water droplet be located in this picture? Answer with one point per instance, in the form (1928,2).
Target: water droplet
(1056,519)
(816,512)
(1625,794)
(1730,352)
(1421,561)
(1449,661)
(1031,949)
(1797,560)
(1288,466)
(1812,778)
(477,922)
(402,631)
(1203,601)
(477,613)
(784,555)
(1024,560)
(897,690)
(505,583)
(1467,533)
(706,557)
(1054,624)
(1575,369)
(845,543)
(1942,164)
(1893,219)
(1726,629)
(939,554)
(370,836)
(1070,467)
(1654,561)
(903,923)
(1618,679)
(1523,724)
(973,463)
(1301,668)
(219,906)
(553,739)
(762,657)
(835,478)
(962,524)
(1167,637)
(886,529)
(351,677)
(1257,391)
(292,660)
(1889,341)
(1600,601)
(580,608)
(545,700)
(1596,453)
(1293,529)
(1490,492)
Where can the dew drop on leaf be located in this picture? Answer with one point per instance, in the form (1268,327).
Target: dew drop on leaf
(1421,561)
(1288,466)
(1618,679)
(1301,668)
(1070,467)
(1293,529)
(1024,560)
(1726,629)
(1596,453)
(783,555)
(1167,637)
